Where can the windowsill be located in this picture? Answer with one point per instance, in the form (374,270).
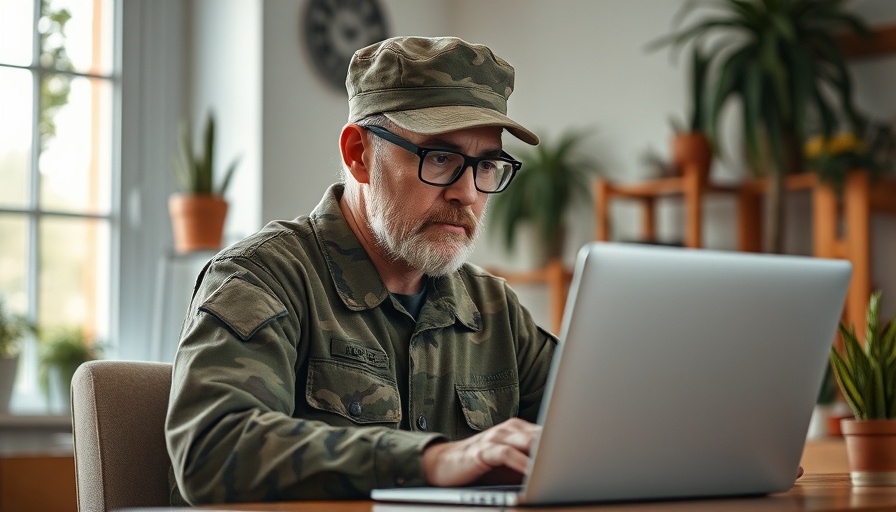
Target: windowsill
(35,420)
(26,435)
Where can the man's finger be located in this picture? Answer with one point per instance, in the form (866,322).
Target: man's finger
(497,455)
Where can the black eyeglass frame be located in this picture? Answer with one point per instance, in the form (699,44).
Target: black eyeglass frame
(469,161)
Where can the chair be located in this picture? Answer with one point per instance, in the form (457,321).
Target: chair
(118,420)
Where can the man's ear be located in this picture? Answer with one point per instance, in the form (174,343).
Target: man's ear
(352,145)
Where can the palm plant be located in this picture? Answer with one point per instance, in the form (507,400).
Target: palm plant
(781,60)
(867,376)
(195,173)
(554,177)
(696,121)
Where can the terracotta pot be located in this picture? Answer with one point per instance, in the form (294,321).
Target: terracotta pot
(871,449)
(198,221)
(692,152)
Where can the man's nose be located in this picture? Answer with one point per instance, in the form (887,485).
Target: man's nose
(464,189)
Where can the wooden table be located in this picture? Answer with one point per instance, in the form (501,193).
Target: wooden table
(813,492)
(824,488)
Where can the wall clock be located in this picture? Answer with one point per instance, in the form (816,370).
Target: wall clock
(334,29)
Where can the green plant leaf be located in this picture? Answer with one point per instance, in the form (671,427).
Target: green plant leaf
(878,404)
(699,69)
(752,110)
(730,81)
(848,385)
(228,174)
(208,156)
(194,172)
(186,164)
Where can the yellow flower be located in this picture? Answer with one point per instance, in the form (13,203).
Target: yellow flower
(845,142)
(814,146)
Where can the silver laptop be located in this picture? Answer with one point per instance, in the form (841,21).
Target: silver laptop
(680,373)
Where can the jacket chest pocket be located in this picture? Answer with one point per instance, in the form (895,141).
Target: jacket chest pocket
(485,407)
(352,392)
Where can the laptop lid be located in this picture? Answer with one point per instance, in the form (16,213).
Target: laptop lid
(680,373)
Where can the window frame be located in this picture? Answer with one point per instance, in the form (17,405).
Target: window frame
(29,400)
(150,60)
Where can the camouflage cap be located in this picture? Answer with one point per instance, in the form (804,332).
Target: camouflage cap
(432,85)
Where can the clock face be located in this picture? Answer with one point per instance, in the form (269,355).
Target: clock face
(334,29)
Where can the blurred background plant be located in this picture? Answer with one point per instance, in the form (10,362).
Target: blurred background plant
(779,59)
(13,330)
(556,176)
(61,353)
(833,157)
(656,165)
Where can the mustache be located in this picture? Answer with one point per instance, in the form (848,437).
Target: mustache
(457,216)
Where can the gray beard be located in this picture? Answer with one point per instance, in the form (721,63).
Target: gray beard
(400,239)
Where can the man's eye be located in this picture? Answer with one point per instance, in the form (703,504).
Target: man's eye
(487,166)
(443,159)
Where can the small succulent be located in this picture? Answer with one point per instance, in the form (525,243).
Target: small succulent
(867,375)
(195,173)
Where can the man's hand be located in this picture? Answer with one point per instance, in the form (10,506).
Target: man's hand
(506,445)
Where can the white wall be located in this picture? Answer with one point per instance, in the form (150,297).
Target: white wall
(579,64)
(154,78)
(226,72)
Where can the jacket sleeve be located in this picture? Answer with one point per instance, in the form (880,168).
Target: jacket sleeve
(230,431)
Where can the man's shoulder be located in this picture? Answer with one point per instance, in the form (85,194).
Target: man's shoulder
(280,236)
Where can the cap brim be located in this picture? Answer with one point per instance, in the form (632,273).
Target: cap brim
(433,120)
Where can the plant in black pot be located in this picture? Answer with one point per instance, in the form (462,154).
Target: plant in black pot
(554,178)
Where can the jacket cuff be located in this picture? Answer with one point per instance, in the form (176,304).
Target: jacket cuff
(398,458)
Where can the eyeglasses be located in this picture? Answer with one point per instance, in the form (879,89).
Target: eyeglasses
(441,168)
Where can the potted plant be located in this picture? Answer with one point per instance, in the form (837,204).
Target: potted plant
(832,158)
(13,329)
(781,61)
(554,177)
(199,210)
(691,148)
(867,379)
(60,355)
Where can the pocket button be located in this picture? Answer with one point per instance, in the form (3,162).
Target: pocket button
(354,409)
(421,422)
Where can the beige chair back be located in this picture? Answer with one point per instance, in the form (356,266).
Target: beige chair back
(118,421)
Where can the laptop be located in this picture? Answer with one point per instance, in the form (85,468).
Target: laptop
(680,373)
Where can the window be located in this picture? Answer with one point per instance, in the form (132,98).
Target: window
(57,221)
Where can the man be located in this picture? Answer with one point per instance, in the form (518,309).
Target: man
(354,348)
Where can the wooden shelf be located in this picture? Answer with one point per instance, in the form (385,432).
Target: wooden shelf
(859,199)
(690,186)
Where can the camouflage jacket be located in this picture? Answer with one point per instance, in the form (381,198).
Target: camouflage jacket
(299,376)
